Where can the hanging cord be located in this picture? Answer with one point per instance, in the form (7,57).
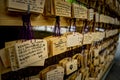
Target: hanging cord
(93,26)
(57,27)
(26,31)
(83,32)
(83,49)
(85,27)
(29,27)
(74,25)
(70,25)
(24,27)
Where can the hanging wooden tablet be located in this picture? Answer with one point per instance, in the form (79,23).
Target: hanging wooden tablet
(62,8)
(13,58)
(49,10)
(11,54)
(57,45)
(102,18)
(96,52)
(88,38)
(101,35)
(91,53)
(4,57)
(96,61)
(107,33)
(86,58)
(36,6)
(96,36)
(85,73)
(82,60)
(115,31)
(91,69)
(75,10)
(83,12)
(79,76)
(110,34)
(72,77)
(82,71)
(75,76)
(74,39)
(101,58)
(111,48)
(69,64)
(79,59)
(54,72)
(90,14)
(79,11)
(29,52)
(14,62)
(97,18)
(111,57)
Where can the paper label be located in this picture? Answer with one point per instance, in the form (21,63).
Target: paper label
(35,5)
(29,52)
(74,39)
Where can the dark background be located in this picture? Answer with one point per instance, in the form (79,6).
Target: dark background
(8,33)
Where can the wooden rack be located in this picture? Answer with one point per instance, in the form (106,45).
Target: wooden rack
(15,19)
